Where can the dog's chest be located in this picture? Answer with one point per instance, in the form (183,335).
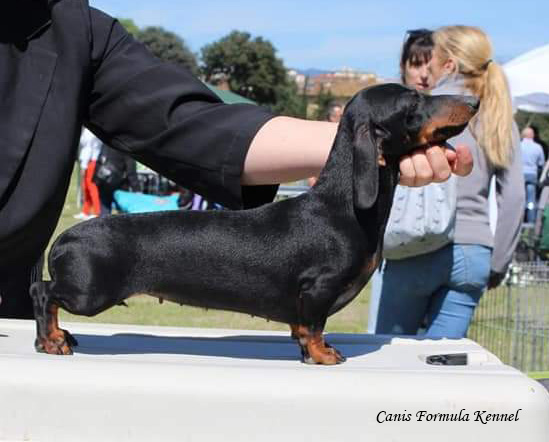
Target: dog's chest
(353,288)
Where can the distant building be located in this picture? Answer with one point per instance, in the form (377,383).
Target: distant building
(298,78)
(343,83)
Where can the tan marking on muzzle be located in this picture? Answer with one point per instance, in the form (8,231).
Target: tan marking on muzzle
(449,115)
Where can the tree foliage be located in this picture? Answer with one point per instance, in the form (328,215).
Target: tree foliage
(129,25)
(538,121)
(252,69)
(168,46)
(289,102)
(323,101)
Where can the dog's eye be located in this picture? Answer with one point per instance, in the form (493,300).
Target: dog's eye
(379,132)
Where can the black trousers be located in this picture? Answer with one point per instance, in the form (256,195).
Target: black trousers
(16,302)
(106,198)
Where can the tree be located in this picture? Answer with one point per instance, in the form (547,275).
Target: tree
(129,25)
(540,121)
(289,102)
(168,46)
(323,101)
(251,68)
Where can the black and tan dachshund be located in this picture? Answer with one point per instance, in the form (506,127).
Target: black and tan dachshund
(295,261)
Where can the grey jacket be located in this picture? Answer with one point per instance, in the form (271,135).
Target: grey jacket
(472,218)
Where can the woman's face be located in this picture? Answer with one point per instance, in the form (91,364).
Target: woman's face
(418,76)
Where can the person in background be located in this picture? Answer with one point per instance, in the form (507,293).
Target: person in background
(90,147)
(414,60)
(335,111)
(156,112)
(114,171)
(533,161)
(445,286)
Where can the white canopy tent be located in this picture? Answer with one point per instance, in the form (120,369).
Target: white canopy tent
(528,76)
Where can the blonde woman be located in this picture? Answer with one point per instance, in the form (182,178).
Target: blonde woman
(445,286)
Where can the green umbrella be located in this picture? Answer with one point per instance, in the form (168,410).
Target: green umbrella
(229,97)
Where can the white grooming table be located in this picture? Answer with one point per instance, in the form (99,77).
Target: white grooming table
(135,383)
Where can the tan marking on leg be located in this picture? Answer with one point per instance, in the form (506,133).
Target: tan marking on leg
(56,340)
(371,264)
(314,348)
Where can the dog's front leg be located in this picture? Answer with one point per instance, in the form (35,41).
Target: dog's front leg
(314,349)
(309,332)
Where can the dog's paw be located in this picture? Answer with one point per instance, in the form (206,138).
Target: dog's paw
(340,358)
(71,340)
(325,355)
(58,345)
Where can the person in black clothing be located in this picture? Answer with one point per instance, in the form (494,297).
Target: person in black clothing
(114,171)
(65,64)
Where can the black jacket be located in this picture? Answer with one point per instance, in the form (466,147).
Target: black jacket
(64,64)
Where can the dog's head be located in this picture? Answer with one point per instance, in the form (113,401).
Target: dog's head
(389,121)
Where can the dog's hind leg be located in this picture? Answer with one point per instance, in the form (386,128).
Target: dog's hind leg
(49,337)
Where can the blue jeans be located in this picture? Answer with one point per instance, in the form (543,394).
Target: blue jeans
(530,181)
(439,290)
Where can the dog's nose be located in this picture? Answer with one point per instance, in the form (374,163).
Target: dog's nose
(474,102)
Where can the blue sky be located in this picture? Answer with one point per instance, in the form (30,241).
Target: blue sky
(362,34)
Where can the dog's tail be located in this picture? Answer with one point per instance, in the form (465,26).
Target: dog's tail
(37,292)
(38,288)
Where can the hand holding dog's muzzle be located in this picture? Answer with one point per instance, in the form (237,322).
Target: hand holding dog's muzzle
(434,164)
(460,160)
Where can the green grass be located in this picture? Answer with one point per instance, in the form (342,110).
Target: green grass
(146,310)
(539,375)
(67,216)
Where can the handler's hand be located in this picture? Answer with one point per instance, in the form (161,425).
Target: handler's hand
(434,165)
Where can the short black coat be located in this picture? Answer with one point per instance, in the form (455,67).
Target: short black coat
(64,65)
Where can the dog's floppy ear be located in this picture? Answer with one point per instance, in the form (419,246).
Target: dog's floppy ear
(365,167)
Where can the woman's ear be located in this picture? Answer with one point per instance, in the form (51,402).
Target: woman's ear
(449,66)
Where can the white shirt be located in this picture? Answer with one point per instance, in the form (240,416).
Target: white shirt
(90,148)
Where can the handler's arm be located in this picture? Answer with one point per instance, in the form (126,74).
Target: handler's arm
(164,117)
(287,149)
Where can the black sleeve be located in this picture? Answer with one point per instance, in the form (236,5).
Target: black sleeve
(167,119)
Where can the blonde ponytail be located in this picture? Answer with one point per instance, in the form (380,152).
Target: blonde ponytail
(495,117)
(471,51)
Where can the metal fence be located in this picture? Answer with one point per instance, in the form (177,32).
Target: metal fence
(512,321)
